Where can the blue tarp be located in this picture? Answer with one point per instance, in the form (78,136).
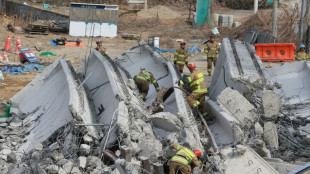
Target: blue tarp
(193,49)
(189,50)
(17,70)
(162,50)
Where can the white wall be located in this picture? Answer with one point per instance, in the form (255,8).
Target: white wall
(92,29)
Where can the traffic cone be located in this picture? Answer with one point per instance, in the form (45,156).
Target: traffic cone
(8,44)
(1,58)
(18,45)
(5,56)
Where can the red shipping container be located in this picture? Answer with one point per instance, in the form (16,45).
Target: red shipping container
(277,52)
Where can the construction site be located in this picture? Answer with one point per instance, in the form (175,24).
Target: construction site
(71,101)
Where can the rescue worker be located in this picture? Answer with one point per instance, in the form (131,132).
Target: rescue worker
(180,57)
(212,49)
(142,80)
(198,88)
(183,158)
(301,54)
(100,48)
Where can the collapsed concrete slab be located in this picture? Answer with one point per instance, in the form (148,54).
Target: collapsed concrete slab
(51,101)
(244,160)
(271,104)
(238,67)
(142,56)
(243,112)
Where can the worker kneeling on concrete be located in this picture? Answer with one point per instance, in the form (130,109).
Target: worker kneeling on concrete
(183,158)
(198,87)
(142,80)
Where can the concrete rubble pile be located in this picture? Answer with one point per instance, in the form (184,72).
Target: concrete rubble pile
(71,122)
(265,109)
(93,120)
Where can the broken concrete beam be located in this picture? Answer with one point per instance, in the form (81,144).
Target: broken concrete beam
(125,151)
(271,104)
(243,112)
(145,165)
(166,121)
(271,135)
(239,68)
(49,102)
(158,168)
(225,129)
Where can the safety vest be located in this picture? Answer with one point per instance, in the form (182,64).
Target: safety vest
(184,156)
(197,84)
(212,49)
(301,55)
(180,56)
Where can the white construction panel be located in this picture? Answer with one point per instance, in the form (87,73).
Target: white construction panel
(92,29)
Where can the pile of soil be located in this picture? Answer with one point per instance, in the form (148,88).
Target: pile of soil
(158,12)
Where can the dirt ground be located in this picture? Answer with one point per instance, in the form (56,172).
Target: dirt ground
(164,26)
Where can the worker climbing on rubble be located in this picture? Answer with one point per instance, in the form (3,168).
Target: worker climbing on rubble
(142,80)
(301,54)
(100,48)
(183,158)
(198,88)
(180,57)
(212,49)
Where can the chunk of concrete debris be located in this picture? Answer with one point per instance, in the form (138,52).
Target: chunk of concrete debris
(94,162)
(53,169)
(11,158)
(5,151)
(87,139)
(75,170)
(258,129)
(56,156)
(304,131)
(243,112)
(151,148)
(271,135)
(61,171)
(68,166)
(260,148)
(14,111)
(166,121)
(85,149)
(82,162)
(271,104)
(38,147)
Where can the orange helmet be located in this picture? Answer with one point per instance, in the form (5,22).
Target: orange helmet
(197,153)
(192,66)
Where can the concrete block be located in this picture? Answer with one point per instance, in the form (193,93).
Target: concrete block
(11,158)
(243,112)
(82,162)
(94,162)
(61,171)
(271,135)
(226,20)
(85,149)
(87,139)
(14,111)
(68,166)
(258,129)
(57,156)
(271,104)
(5,151)
(166,121)
(53,169)
(76,170)
(216,19)
(236,24)
(38,147)
(151,149)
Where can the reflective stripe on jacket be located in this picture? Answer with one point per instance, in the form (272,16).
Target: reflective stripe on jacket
(301,55)
(180,56)
(148,78)
(197,82)
(212,49)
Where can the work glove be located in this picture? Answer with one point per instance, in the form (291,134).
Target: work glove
(174,62)
(157,89)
